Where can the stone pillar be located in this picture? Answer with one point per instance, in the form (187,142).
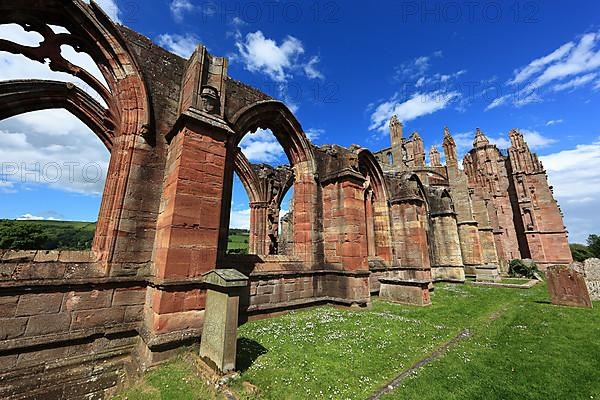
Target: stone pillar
(470,246)
(127,217)
(189,237)
(307,231)
(219,332)
(488,270)
(383,231)
(372,252)
(344,224)
(410,238)
(257,242)
(468,232)
(447,260)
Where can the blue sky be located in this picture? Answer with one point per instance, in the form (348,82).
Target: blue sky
(345,67)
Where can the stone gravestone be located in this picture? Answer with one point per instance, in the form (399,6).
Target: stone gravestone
(591,269)
(405,291)
(219,331)
(567,287)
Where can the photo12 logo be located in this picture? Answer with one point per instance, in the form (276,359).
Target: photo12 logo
(469,11)
(252,12)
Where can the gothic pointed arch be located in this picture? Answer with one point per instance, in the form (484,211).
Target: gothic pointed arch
(249,179)
(87,29)
(276,116)
(22,96)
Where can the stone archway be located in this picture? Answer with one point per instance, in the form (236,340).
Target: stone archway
(121,127)
(266,187)
(377,209)
(274,115)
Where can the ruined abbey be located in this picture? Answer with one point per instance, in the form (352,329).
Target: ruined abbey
(76,323)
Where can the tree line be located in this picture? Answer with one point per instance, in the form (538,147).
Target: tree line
(591,249)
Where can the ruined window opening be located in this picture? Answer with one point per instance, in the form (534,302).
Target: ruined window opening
(53,177)
(268,184)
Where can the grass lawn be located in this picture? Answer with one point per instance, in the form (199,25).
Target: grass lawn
(175,380)
(521,347)
(238,241)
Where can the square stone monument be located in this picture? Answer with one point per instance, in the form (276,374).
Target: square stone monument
(219,331)
(591,268)
(567,287)
(405,291)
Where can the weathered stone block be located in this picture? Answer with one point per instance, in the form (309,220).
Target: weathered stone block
(77,257)
(11,328)
(591,269)
(8,306)
(567,287)
(8,362)
(46,256)
(129,296)
(79,300)
(405,291)
(42,303)
(47,324)
(134,313)
(96,318)
(19,256)
(487,273)
(40,270)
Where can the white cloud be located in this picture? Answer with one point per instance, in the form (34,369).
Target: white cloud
(415,68)
(239,219)
(554,122)
(539,64)
(263,147)
(30,217)
(182,45)
(576,60)
(6,187)
(237,22)
(111,8)
(264,55)
(574,83)
(63,153)
(536,140)
(278,61)
(500,142)
(314,133)
(310,69)
(15,66)
(418,105)
(575,174)
(180,7)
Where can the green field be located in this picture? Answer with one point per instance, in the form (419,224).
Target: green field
(238,241)
(46,235)
(74,235)
(519,346)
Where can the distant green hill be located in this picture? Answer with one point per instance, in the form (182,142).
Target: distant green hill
(74,235)
(46,235)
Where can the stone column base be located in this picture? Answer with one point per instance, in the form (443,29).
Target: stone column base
(448,274)
(471,270)
(487,273)
(412,292)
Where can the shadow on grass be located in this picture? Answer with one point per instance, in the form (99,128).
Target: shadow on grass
(543,302)
(248,351)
